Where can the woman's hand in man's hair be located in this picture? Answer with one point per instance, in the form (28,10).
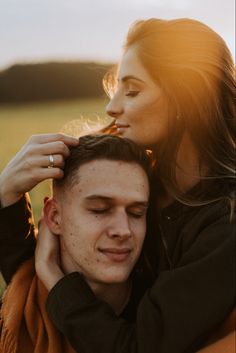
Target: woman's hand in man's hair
(41,158)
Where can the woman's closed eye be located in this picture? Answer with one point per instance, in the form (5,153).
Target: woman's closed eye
(132,93)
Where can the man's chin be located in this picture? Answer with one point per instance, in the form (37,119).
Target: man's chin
(108,279)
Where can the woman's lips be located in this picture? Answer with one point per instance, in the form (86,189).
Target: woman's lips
(121,127)
(117,255)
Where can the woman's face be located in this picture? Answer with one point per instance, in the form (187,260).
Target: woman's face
(139,105)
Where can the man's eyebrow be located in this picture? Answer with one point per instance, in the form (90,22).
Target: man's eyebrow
(141,203)
(98,197)
(107,198)
(130,77)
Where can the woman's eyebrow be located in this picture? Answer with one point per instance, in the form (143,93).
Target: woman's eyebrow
(130,77)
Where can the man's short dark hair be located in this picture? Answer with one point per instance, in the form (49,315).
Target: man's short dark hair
(109,147)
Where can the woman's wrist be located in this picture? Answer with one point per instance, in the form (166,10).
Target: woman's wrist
(52,279)
(50,276)
(8,197)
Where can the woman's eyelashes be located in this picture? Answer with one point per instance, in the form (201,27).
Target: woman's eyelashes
(132,93)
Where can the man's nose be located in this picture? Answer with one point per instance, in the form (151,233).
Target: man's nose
(114,108)
(119,226)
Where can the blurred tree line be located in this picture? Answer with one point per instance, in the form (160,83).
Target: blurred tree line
(53,80)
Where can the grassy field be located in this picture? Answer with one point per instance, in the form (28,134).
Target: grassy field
(19,122)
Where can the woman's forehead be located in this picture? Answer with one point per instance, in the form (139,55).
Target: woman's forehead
(131,67)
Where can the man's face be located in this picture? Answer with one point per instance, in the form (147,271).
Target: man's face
(103,220)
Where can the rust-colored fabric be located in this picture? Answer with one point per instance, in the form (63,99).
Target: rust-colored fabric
(226,344)
(25,326)
(228,326)
(223,339)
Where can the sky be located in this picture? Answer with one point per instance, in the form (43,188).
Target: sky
(61,30)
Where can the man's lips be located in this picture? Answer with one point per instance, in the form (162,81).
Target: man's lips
(116,254)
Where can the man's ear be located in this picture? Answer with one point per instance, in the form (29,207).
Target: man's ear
(52,215)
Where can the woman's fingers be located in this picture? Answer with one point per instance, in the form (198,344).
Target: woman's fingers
(47,161)
(46,138)
(47,173)
(42,157)
(53,161)
(57,147)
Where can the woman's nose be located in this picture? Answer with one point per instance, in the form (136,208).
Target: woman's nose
(114,108)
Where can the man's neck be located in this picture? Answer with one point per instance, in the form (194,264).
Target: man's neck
(116,295)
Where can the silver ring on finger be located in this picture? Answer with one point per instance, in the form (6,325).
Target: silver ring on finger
(51,161)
